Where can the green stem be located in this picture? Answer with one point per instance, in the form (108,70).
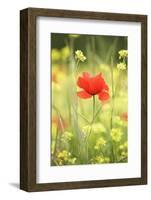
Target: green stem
(82,116)
(112,108)
(93,108)
(87,138)
(96,114)
(72,63)
(56,142)
(92,55)
(124,60)
(76,67)
(112,83)
(118,82)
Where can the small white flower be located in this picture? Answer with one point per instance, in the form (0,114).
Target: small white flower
(79,55)
(121,66)
(123,53)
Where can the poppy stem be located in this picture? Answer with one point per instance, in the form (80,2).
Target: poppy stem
(97,112)
(87,139)
(93,108)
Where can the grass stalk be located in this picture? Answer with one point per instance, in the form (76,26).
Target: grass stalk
(112,108)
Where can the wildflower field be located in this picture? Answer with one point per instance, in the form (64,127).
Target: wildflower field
(89,91)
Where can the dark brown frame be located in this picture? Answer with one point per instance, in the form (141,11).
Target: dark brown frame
(28,98)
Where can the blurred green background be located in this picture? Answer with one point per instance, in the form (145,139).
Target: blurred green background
(102,46)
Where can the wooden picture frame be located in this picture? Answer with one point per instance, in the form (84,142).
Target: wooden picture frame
(28,98)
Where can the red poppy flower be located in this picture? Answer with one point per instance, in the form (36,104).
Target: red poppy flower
(91,86)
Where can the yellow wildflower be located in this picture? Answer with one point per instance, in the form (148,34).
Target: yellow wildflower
(123,146)
(79,56)
(121,66)
(100,160)
(95,128)
(63,155)
(64,158)
(100,142)
(123,53)
(65,52)
(116,134)
(67,136)
(55,53)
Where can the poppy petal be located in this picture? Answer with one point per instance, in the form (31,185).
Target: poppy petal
(83,83)
(86,75)
(96,84)
(84,95)
(101,82)
(103,96)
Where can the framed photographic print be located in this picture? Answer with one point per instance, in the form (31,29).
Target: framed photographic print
(83,93)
